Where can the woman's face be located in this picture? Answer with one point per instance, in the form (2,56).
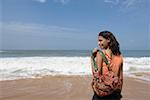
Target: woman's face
(102,42)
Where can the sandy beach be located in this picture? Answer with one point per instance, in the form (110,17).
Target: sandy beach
(66,88)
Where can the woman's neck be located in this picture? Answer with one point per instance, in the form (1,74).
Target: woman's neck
(109,52)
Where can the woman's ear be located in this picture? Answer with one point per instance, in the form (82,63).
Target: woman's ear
(108,40)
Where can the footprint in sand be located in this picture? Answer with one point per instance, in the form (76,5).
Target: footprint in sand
(67,85)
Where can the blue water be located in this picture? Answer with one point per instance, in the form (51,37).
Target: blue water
(66,53)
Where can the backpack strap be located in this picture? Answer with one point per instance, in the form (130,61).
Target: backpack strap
(104,58)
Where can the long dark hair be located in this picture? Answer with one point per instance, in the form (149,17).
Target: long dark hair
(113,45)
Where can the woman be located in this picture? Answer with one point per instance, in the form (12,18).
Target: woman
(110,48)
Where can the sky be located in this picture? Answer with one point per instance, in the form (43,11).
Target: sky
(73,24)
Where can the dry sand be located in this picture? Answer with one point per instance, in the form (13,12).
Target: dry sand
(66,88)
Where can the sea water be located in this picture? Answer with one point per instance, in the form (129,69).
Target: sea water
(19,64)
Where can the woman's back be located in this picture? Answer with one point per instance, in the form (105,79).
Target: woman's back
(117,64)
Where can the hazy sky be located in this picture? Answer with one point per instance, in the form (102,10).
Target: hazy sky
(73,24)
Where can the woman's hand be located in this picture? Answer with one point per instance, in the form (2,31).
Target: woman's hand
(94,51)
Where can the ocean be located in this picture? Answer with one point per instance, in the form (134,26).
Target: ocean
(20,64)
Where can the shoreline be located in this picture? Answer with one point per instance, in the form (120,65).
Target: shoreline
(66,88)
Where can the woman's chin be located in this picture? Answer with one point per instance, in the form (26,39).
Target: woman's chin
(101,47)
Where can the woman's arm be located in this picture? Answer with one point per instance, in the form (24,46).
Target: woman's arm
(99,61)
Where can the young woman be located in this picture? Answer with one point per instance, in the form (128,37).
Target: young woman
(110,48)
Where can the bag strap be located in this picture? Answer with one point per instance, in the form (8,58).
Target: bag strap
(104,58)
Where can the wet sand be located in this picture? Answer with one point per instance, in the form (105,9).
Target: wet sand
(66,88)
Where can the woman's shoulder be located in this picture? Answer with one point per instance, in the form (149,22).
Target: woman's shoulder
(118,58)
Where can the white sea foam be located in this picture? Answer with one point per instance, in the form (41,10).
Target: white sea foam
(136,64)
(31,67)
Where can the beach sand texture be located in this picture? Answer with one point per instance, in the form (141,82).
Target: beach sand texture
(66,88)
